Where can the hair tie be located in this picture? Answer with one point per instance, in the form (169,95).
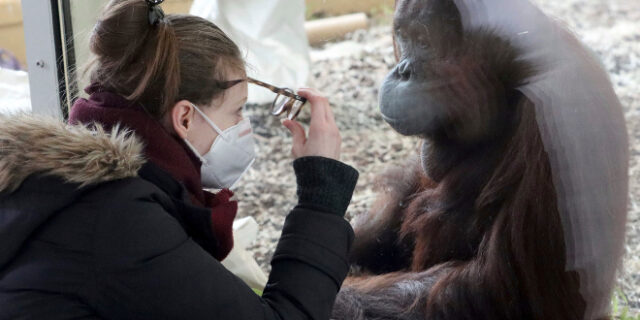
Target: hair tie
(155,12)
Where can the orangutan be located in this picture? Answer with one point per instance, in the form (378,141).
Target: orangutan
(472,228)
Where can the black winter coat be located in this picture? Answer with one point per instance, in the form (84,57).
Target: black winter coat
(90,231)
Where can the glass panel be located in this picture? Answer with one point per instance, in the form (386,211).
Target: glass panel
(351,52)
(14,81)
(521,127)
(83,15)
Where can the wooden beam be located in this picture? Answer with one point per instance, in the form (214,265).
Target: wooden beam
(340,7)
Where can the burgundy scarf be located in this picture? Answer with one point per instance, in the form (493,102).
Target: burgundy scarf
(165,150)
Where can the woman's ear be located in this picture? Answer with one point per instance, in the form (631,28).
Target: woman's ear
(181,118)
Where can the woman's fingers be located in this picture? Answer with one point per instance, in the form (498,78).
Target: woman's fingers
(330,117)
(324,138)
(298,135)
(319,104)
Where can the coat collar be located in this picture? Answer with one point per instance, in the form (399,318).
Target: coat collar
(86,156)
(161,147)
(36,144)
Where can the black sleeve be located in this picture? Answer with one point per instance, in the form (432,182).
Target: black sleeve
(324,184)
(148,268)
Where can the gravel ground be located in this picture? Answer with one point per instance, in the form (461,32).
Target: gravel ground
(349,72)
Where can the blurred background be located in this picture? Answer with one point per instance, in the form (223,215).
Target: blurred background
(343,48)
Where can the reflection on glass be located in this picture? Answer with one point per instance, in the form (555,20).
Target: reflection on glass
(516,207)
(83,15)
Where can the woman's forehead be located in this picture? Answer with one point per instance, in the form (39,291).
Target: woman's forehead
(231,74)
(237,93)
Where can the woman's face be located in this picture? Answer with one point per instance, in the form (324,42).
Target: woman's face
(225,111)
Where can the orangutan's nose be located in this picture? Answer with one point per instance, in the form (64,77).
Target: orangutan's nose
(403,69)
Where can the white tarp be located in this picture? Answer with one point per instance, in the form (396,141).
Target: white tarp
(270,33)
(14,91)
(240,261)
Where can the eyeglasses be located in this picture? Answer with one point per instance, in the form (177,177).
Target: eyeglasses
(285,101)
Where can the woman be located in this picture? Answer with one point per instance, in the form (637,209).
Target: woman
(110,220)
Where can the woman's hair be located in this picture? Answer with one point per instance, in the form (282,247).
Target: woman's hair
(180,58)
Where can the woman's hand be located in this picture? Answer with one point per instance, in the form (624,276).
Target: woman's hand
(324,138)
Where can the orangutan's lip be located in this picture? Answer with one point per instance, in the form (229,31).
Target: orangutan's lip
(390,119)
(394,122)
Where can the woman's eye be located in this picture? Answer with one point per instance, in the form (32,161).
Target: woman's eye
(239,112)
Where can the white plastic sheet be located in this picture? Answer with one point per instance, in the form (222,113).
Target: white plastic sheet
(582,126)
(14,91)
(272,35)
(240,261)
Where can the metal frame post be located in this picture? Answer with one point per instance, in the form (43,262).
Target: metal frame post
(44,57)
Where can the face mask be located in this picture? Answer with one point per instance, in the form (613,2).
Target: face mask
(231,155)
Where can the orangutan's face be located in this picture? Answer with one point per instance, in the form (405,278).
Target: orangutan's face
(449,84)
(410,97)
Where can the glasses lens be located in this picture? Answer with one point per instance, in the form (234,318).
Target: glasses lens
(281,104)
(295,109)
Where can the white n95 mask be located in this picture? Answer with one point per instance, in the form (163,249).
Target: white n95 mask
(230,156)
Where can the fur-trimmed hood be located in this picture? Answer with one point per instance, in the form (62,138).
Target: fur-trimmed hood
(35,144)
(46,165)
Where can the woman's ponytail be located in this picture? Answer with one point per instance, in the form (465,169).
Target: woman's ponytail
(157,60)
(161,70)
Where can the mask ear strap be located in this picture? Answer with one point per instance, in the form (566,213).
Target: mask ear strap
(213,125)
(193,149)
